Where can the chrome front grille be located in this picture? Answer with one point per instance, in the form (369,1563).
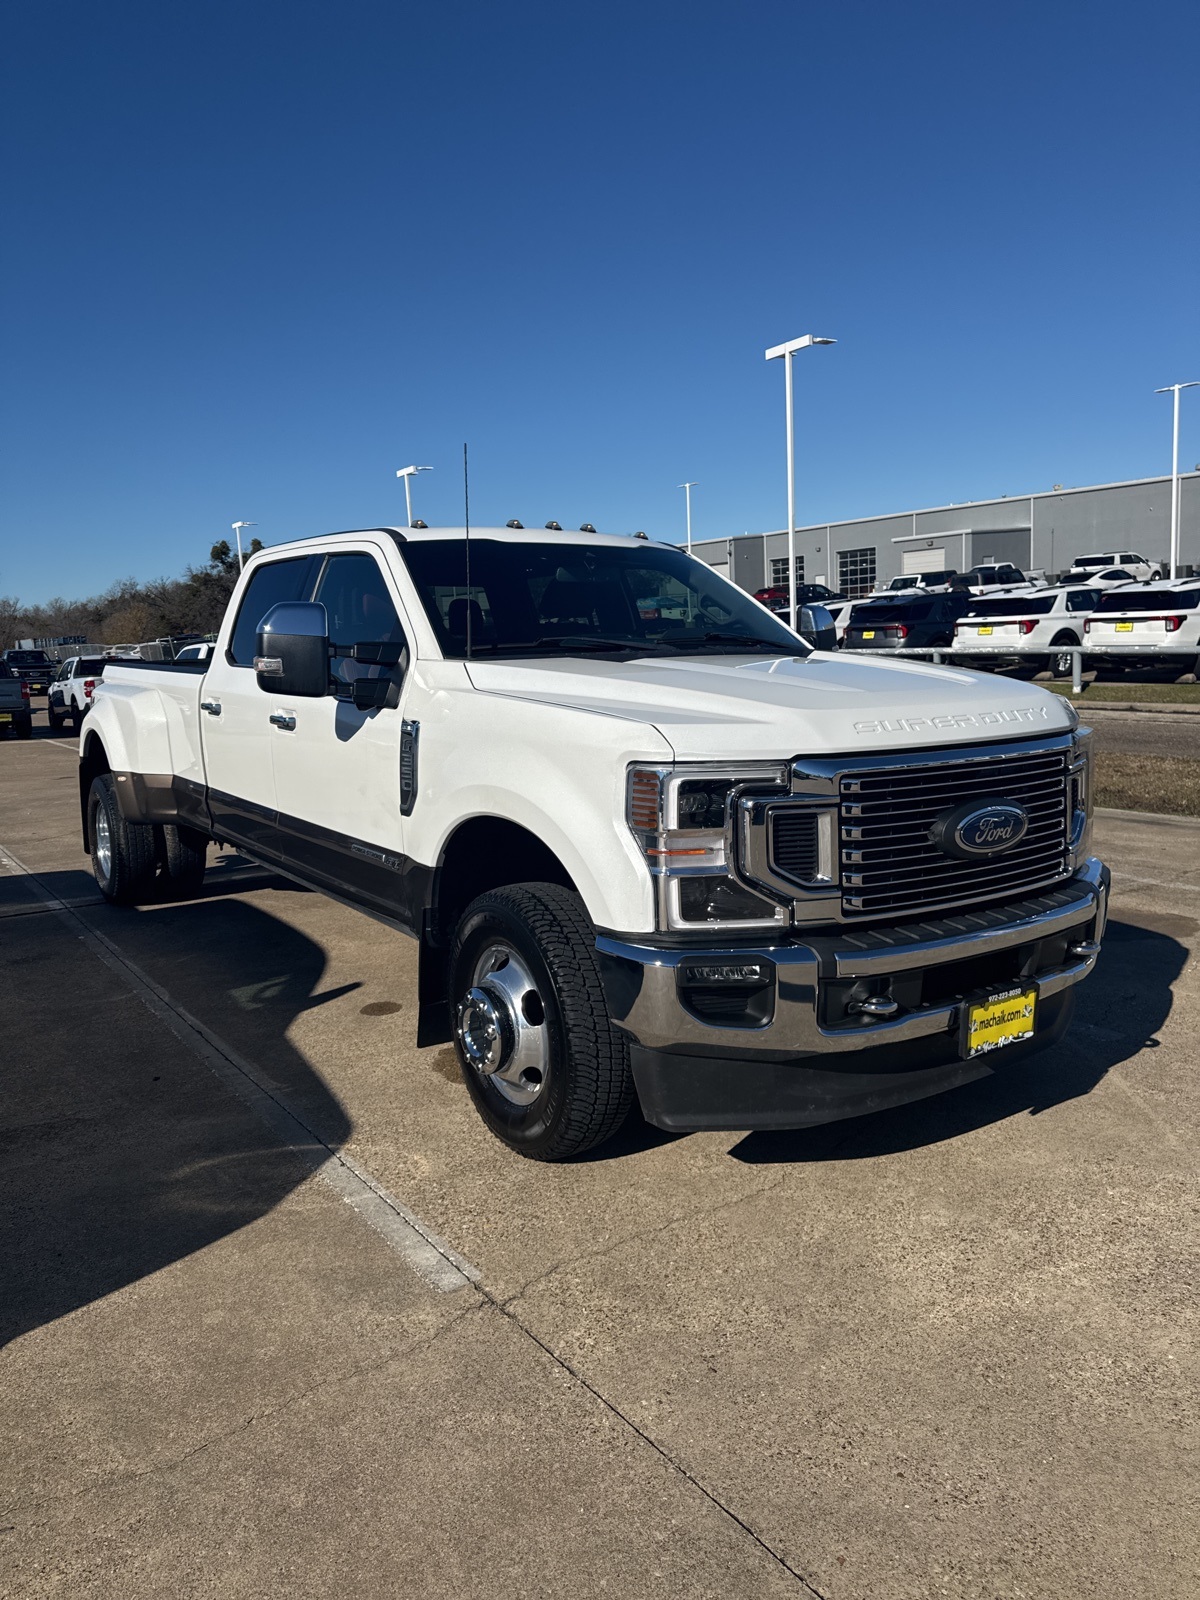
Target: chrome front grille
(889,862)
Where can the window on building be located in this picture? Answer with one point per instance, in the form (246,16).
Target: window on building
(856,572)
(779,572)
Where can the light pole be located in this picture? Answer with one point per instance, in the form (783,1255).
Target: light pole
(237,529)
(1174,388)
(687,490)
(408,474)
(787,351)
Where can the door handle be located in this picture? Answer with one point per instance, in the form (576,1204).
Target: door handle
(281,720)
(213,707)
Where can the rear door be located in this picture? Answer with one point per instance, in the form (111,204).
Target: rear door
(337,768)
(235,713)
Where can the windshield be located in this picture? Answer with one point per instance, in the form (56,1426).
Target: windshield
(1012,608)
(1159,600)
(568,599)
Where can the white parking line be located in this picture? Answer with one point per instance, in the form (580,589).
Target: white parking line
(432,1258)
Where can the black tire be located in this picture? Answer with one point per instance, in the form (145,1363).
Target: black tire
(53,718)
(185,854)
(1060,666)
(128,876)
(587,1088)
(77,717)
(23,727)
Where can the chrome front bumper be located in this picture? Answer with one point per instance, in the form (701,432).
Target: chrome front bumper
(642,982)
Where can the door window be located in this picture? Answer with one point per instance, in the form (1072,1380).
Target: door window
(360,611)
(273,583)
(65,671)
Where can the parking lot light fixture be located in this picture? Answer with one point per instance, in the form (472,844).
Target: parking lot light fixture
(786,352)
(687,489)
(1174,388)
(408,474)
(237,530)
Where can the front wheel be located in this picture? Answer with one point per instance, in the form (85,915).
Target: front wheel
(547,1070)
(123,853)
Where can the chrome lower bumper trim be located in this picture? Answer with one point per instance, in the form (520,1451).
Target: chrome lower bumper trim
(642,984)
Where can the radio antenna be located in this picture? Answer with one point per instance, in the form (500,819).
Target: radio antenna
(467,542)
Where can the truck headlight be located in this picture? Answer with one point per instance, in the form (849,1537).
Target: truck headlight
(1080,797)
(680,817)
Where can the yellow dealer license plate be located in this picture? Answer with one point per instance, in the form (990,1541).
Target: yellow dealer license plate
(985,630)
(5,716)
(1002,1017)
(1124,627)
(868,633)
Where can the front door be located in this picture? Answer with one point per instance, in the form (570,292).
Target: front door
(337,769)
(235,714)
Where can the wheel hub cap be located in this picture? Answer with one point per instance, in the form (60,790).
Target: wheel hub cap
(501,1026)
(103,842)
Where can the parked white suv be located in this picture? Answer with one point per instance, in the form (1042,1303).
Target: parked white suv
(650,842)
(1131,564)
(1027,627)
(1147,625)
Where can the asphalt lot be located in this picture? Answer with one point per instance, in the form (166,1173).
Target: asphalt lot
(948,1351)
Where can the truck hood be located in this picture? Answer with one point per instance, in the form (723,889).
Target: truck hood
(777,707)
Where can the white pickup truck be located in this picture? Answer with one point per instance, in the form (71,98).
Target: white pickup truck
(72,690)
(651,842)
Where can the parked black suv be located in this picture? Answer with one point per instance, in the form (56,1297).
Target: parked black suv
(912,621)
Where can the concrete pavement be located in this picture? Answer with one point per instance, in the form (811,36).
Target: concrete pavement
(946,1351)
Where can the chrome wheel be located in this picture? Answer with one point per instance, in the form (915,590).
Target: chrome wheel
(501,1025)
(102,843)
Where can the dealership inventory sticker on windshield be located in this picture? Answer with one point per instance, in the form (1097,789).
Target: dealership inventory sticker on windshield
(994,1020)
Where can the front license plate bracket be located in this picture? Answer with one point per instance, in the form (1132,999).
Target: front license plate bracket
(993,1018)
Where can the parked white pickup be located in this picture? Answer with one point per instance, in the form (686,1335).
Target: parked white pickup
(650,841)
(72,690)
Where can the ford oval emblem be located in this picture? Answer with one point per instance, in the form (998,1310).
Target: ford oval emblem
(979,830)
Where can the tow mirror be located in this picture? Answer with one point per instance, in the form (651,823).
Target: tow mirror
(816,628)
(293,650)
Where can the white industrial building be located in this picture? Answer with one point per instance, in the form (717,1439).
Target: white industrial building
(1036,532)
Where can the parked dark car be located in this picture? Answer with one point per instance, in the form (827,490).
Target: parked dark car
(16,714)
(910,622)
(775,598)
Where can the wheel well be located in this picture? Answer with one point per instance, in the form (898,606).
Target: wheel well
(484,853)
(92,762)
(487,853)
(1064,637)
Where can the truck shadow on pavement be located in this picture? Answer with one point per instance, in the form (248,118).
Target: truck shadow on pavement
(1119,1011)
(120,1149)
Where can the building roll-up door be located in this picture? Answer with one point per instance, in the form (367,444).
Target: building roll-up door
(924,561)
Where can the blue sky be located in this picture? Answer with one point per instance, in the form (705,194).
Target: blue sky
(266,254)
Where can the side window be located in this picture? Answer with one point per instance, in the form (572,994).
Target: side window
(1081,600)
(272,583)
(360,610)
(65,671)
